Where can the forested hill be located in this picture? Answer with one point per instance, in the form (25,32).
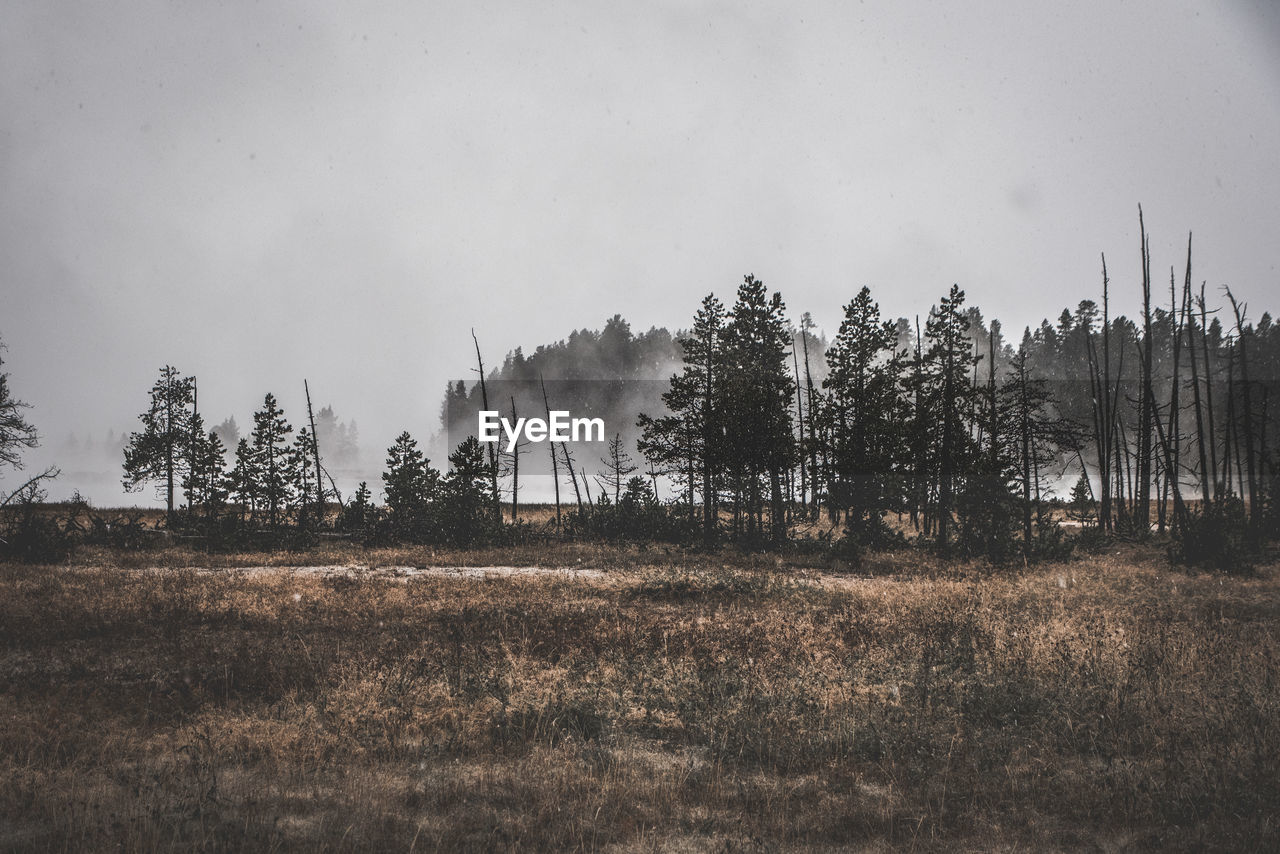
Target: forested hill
(611,373)
(611,353)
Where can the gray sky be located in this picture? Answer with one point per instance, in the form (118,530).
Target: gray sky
(256,193)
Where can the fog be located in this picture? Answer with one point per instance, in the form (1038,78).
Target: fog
(264,194)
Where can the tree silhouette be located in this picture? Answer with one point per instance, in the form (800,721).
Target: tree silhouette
(159,451)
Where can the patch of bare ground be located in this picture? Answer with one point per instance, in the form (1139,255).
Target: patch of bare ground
(645,700)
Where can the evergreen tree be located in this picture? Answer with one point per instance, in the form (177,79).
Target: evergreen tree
(273,459)
(757,404)
(861,416)
(690,442)
(947,404)
(228,432)
(468,494)
(244,481)
(207,483)
(1081,506)
(410,485)
(159,452)
(360,511)
(16,433)
(302,468)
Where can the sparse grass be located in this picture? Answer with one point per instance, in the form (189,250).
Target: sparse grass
(680,702)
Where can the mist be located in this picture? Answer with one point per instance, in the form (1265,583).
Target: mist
(259,196)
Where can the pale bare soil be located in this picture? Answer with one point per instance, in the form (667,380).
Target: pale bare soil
(635,700)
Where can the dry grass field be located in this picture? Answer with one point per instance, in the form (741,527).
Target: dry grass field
(671,702)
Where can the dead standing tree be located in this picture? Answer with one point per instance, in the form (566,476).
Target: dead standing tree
(493,457)
(1142,512)
(555,468)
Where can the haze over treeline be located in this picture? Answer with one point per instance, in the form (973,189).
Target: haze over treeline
(618,374)
(264,193)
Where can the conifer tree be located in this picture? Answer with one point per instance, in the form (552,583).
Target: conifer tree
(16,433)
(244,480)
(159,452)
(206,483)
(691,441)
(1080,506)
(948,400)
(861,416)
(305,477)
(359,511)
(274,464)
(758,432)
(467,492)
(409,483)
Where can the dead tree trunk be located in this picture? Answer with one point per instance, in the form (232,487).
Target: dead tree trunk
(1208,392)
(315,456)
(804,480)
(1242,333)
(555,468)
(1145,410)
(493,457)
(805,325)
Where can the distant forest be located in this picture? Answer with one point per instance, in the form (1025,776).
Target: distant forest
(1160,424)
(751,427)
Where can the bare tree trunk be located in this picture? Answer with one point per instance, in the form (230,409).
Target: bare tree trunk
(1146,413)
(169,463)
(515,468)
(813,437)
(1100,383)
(1173,475)
(573,478)
(804,480)
(493,457)
(1179,508)
(1208,391)
(1242,333)
(315,456)
(1229,424)
(555,468)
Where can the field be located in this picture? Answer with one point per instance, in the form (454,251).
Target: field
(670,700)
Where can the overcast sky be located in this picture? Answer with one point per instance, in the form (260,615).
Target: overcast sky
(262,192)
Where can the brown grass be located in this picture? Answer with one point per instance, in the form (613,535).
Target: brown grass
(679,703)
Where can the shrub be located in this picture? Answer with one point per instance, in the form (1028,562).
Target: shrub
(1217,537)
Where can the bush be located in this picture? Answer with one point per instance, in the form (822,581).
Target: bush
(32,535)
(1217,537)
(637,516)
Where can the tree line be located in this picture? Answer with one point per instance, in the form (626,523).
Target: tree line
(1167,423)
(934,428)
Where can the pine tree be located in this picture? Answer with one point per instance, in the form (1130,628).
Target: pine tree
(360,511)
(273,461)
(159,452)
(1081,506)
(468,493)
(206,483)
(861,416)
(757,404)
(302,468)
(244,481)
(16,433)
(948,398)
(410,485)
(689,444)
